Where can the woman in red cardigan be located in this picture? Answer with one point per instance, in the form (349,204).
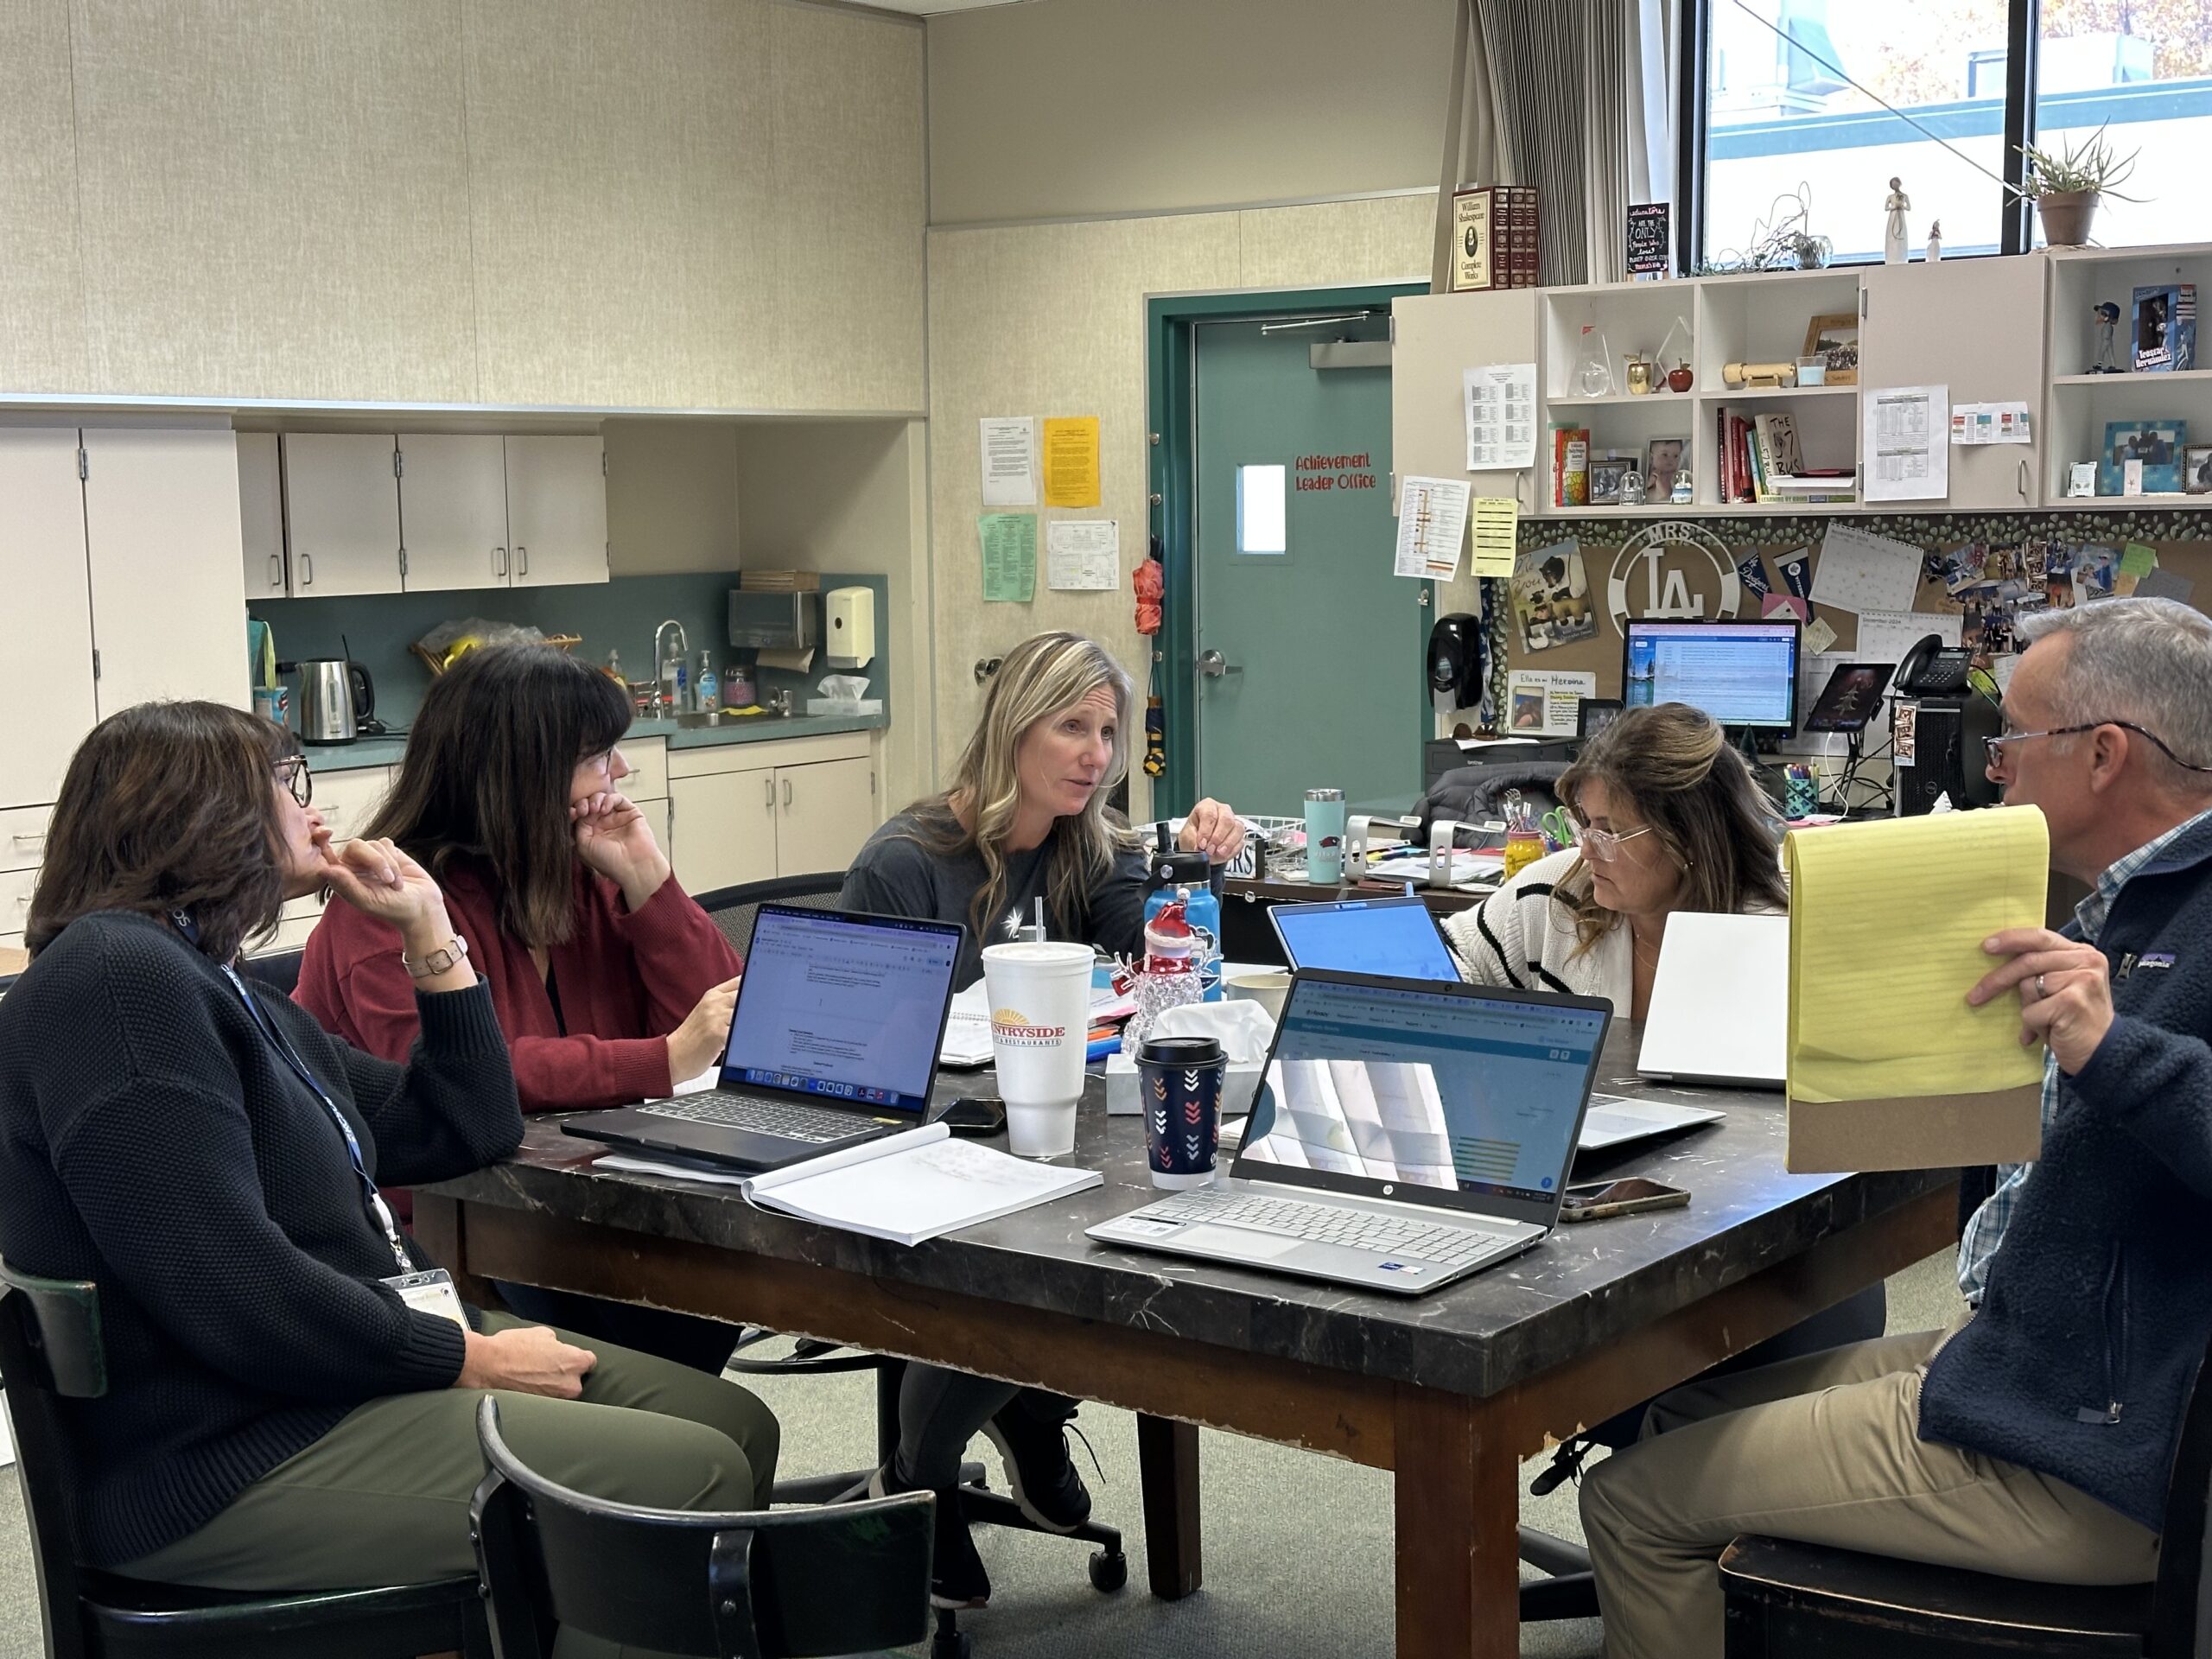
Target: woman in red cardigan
(611,984)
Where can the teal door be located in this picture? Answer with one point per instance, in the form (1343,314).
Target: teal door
(1310,652)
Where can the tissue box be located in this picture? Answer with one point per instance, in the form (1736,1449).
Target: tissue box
(1236,1088)
(848,707)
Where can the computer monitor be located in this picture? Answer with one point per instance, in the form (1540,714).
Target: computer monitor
(1741,673)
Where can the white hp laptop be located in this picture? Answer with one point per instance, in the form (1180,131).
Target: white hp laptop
(1408,1132)
(1720,1009)
(1400,938)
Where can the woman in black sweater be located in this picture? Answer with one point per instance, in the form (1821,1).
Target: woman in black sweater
(279,1416)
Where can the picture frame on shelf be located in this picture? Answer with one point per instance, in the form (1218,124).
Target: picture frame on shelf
(2158,444)
(1834,338)
(2196,469)
(1663,460)
(1607,472)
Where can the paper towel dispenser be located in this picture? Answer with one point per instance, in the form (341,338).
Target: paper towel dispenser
(848,627)
(772,621)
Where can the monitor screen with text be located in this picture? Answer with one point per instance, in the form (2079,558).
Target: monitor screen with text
(851,1008)
(1740,673)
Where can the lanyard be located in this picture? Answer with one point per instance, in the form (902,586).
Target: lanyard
(379,1210)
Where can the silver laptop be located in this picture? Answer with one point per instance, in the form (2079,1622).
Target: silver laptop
(1397,938)
(1408,1132)
(1720,1009)
(833,1041)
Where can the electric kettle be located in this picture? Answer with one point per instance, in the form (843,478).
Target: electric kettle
(336,695)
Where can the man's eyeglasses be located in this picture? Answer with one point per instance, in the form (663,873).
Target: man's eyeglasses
(292,772)
(1995,746)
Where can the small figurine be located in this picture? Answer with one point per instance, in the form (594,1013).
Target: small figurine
(2107,316)
(1898,204)
(1632,490)
(1934,241)
(1682,495)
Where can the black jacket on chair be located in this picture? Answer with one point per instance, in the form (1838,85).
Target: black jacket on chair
(2099,1304)
(153,1141)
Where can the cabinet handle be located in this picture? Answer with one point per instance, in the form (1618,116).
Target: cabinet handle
(771,781)
(499,562)
(522,560)
(275,570)
(306,569)
(29,841)
(2023,478)
(787,794)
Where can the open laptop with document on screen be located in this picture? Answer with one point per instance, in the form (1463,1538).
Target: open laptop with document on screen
(1397,938)
(1407,1133)
(833,1041)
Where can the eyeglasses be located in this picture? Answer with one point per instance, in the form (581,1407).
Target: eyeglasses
(1604,845)
(1995,746)
(292,772)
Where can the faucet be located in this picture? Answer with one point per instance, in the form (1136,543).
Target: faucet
(662,677)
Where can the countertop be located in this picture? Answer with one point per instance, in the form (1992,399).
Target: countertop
(757,728)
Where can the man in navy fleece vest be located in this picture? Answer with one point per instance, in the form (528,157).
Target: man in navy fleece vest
(2034,1437)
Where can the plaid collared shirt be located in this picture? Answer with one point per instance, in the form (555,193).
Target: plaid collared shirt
(1986,1230)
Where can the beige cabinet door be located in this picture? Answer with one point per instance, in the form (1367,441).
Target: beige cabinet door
(453,512)
(722,829)
(1436,338)
(824,813)
(165,551)
(341,514)
(261,515)
(1916,333)
(46,696)
(557,510)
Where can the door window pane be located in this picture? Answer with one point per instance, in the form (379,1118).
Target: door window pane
(1260,518)
(1780,114)
(2142,70)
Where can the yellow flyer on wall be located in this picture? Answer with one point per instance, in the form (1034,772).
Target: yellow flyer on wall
(1072,461)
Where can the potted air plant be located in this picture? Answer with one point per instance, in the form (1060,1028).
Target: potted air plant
(2066,187)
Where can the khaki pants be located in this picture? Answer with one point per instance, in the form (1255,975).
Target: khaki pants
(383,1498)
(1825,1450)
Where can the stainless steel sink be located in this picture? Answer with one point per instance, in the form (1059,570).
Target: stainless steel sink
(720,717)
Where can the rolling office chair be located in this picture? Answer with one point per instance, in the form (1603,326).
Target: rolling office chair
(763,1584)
(1804,1599)
(734,910)
(51,1350)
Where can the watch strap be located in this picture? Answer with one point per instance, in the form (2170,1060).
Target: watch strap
(430,965)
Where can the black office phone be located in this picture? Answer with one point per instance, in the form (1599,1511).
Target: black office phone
(1932,669)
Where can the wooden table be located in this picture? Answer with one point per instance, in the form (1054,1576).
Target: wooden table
(1449,1391)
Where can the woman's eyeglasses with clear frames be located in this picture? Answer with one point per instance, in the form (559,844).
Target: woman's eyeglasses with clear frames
(292,772)
(1603,845)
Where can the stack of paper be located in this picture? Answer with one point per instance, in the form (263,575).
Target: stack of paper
(967,1027)
(903,1188)
(1889,1068)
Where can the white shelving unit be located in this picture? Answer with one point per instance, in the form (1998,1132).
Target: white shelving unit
(1990,330)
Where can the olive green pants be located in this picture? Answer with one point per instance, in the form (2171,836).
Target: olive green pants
(383,1498)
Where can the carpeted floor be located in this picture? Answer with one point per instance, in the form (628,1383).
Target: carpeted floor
(1298,1548)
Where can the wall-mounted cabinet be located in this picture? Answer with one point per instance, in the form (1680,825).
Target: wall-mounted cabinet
(120,552)
(430,512)
(2084,404)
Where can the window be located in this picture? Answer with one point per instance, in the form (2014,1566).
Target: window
(1784,106)
(1261,527)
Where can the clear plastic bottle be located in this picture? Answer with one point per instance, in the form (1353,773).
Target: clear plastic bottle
(709,687)
(1523,845)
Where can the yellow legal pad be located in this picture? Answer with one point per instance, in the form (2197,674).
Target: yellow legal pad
(1889,1068)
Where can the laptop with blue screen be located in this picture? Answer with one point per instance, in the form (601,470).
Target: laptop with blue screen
(1407,1133)
(833,1041)
(1397,938)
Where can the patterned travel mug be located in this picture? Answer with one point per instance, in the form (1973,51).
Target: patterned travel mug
(1179,1080)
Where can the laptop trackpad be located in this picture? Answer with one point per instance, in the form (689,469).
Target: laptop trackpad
(1235,1242)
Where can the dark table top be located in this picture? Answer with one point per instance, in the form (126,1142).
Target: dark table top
(1587,1283)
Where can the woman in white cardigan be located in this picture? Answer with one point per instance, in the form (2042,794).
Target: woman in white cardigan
(1670,820)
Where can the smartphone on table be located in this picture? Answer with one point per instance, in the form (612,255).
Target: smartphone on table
(975,1114)
(1595,1200)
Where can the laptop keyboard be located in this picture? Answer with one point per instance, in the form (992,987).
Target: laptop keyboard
(793,1122)
(1329,1223)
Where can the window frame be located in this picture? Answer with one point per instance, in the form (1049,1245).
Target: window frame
(2016,220)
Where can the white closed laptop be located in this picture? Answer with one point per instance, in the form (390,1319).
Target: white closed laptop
(1720,1009)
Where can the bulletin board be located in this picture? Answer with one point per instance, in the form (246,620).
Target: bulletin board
(1978,567)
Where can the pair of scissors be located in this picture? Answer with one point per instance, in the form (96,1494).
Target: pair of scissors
(1558,826)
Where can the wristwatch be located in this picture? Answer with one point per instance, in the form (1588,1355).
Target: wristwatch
(451,954)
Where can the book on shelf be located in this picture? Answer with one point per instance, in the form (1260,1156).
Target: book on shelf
(1570,466)
(1493,237)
